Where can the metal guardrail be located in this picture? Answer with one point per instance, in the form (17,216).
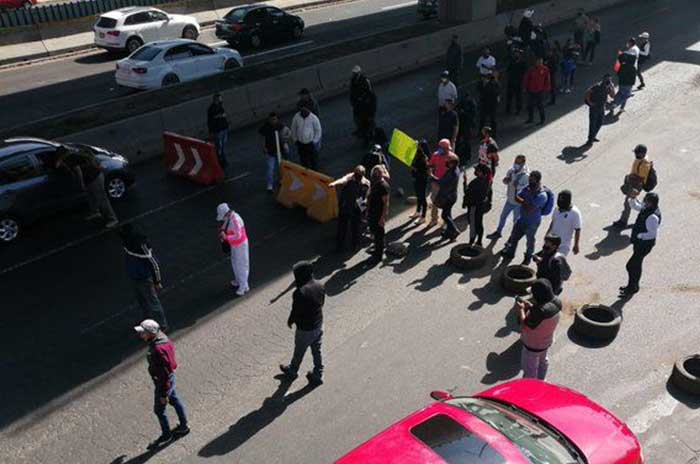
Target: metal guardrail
(40,14)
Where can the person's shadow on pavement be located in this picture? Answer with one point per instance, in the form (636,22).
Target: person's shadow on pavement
(503,366)
(247,426)
(612,242)
(573,154)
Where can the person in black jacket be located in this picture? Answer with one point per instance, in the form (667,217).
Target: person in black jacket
(466,110)
(352,205)
(307,314)
(144,272)
(477,197)
(454,60)
(419,171)
(359,86)
(217,123)
(447,196)
(643,238)
(516,72)
(549,264)
(626,78)
(489,97)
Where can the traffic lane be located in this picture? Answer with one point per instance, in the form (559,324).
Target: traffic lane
(410,99)
(64,85)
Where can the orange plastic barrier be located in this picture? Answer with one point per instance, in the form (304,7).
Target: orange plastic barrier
(191,158)
(308,189)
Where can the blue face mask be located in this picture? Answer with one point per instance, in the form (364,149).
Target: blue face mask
(517,167)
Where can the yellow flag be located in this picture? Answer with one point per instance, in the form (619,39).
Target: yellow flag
(403,147)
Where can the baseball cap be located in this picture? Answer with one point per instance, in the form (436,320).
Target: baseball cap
(445,74)
(357,69)
(644,35)
(148,326)
(221,211)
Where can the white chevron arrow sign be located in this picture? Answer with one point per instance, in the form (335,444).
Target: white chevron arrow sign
(197,163)
(180,158)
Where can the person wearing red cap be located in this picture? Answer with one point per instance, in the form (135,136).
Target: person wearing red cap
(161,367)
(438,167)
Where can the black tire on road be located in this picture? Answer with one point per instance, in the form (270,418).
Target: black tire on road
(170,79)
(133,44)
(190,32)
(297,32)
(686,374)
(467,257)
(599,322)
(518,278)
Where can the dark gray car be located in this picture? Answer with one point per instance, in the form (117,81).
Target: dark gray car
(31,188)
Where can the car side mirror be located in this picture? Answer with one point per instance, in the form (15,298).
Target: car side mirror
(439,395)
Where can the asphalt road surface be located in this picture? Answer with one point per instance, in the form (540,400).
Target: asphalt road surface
(57,86)
(75,387)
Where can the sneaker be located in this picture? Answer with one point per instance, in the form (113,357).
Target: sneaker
(93,216)
(627,291)
(270,189)
(287,371)
(234,284)
(242,291)
(494,236)
(506,255)
(160,441)
(112,224)
(526,261)
(314,379)
(181,430)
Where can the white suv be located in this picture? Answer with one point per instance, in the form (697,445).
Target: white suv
(129,28)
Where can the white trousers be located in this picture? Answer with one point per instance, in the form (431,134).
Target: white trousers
(240,265)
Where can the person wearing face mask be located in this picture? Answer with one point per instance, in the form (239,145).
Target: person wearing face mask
(566,223)
(516,179)
(234,239)
(477,197)
(643,238)
(352,204)
(306,134)
(447,196)
(549,263)
(596,98)
(446,90)
(438,167)
(531,200)
(634,182)
(486,64)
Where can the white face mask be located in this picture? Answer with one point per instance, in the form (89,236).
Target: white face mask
(517,167)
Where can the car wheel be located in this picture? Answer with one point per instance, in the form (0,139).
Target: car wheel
(170,79)
(467,257)
(133,44)
(255,41)
(599,322)
(518,278)
(189,32)
(297,32)
(231,64)
(686,374)
(115,187)
(9,229)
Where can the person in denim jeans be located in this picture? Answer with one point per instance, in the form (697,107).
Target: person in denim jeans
(275,138)
(531,200)
(161,367)
(217,123)
(516,179)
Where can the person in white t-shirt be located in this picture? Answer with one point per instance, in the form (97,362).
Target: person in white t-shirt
(633,50)
(486,64)
(566,223)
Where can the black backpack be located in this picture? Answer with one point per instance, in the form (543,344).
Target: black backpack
(652,180)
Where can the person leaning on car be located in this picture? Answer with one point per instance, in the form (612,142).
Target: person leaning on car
(89,174)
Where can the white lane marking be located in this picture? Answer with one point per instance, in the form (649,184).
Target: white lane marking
(105,231)
(655,410)
(180,158)
(275,50)
(400,5)
(197,163)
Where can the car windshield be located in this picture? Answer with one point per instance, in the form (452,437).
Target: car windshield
(236,15)
(145,53)
(537,442)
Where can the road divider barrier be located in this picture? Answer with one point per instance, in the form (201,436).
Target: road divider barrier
(191,158)
(307,189)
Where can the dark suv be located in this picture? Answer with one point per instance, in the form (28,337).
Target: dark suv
(30,186)
(255,25)
(428,8)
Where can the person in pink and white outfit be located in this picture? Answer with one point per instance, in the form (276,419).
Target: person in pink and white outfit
(233,233)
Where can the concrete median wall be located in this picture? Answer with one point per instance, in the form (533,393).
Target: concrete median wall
(140,137)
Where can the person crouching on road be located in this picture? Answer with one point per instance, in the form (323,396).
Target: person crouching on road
(217,123)
(161,367)
(234,237)
(538,318)
(307,314)
(643,237)
(352,205)
(550,262)
(144,271)
(378,208)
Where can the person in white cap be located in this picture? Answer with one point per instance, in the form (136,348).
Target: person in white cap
(644,55)
(161,367)
(234,239)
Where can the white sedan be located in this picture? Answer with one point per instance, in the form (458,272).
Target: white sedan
(159,64)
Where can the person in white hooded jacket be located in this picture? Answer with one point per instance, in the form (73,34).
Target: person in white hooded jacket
(233,234)
(516,179)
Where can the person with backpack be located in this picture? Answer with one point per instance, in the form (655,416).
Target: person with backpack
(596,98)
(551,263)
(516,179)
(477,198)
(535,202)
(643,238)
(566,223)
(642,176)
(352,204)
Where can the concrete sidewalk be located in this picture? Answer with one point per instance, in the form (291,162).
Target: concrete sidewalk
(31,43)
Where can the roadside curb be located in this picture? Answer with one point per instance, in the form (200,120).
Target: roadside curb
(31,58)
